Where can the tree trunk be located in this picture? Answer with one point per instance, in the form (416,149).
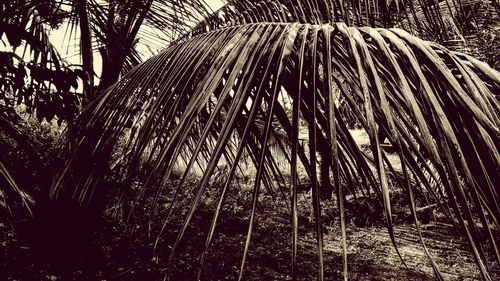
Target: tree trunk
(326,187)
(86,49)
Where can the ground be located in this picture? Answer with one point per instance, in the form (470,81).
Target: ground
(124,251)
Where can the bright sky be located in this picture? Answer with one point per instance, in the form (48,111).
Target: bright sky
(214,4)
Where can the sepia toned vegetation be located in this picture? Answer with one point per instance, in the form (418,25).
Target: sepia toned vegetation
(267,132)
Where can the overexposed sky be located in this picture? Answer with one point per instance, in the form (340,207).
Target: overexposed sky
(214,4)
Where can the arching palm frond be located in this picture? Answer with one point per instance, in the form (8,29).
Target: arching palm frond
(436,107)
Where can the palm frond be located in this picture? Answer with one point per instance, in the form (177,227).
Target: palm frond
(455,24)
(435,106)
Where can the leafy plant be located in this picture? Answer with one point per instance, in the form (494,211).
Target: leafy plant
(36,77)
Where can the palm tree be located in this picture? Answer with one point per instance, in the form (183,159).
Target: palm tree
(116,27)
(435,106)
(199,100)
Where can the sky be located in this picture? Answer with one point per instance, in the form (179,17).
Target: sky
(214,4)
